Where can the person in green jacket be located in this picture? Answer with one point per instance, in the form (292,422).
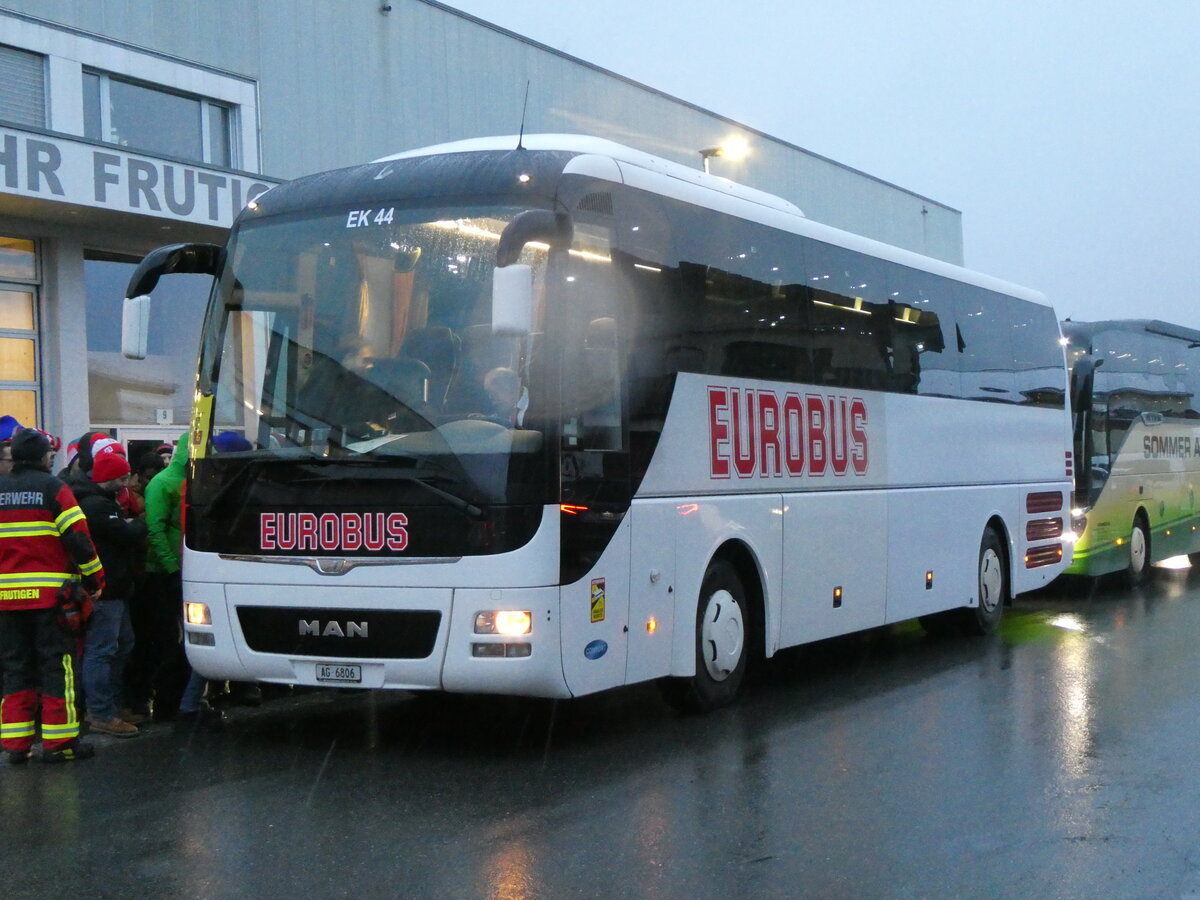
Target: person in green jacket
(178,691)
(163,514)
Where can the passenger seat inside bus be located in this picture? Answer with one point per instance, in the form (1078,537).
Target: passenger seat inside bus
(439,348)
(482,351)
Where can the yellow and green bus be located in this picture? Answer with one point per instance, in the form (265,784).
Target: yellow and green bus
(1135,396)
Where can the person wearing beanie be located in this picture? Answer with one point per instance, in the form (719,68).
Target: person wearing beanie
(8,426)
(230,442)
(155,625)
(80,464)
(109,640)
(103,445)
(74,465)
(44,545)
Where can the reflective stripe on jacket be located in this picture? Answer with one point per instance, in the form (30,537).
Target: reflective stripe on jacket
(44,540)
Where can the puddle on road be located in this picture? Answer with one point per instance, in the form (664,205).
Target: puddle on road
(1031,627)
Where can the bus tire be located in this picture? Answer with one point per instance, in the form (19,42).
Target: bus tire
(984,618)
(1138,566)
(722,644)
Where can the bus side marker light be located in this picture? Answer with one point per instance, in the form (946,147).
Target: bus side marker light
(929,581)
(651,625)
(197,614)
(837,597)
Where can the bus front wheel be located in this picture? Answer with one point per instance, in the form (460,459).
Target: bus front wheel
(1139,553)
(721,644)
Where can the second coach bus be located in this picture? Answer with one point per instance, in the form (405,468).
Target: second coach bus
(549,416)
(1136,397)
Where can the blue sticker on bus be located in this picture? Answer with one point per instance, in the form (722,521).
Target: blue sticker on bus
(595,649)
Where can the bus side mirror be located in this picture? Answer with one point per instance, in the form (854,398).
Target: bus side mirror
(200,259)
(512,300)
(135,326)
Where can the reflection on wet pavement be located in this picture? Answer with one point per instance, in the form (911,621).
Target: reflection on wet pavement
(1053,760)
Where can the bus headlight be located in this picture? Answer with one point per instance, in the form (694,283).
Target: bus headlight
(1078,521)
(509,622)
(197,614)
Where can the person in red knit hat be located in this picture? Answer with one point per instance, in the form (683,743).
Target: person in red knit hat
(119,541)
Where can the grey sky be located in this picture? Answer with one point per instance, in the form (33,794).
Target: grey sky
(1068,132)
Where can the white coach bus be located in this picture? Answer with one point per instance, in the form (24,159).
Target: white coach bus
(549,416)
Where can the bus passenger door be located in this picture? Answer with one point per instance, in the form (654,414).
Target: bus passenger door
(651,589)
(595,617)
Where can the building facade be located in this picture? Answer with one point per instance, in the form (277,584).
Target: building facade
(129,124)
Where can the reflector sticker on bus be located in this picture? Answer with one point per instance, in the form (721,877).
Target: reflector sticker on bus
(597,599)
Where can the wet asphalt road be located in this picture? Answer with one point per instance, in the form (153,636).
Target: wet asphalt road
(1055,760)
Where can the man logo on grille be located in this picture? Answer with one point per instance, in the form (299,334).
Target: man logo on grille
(313,628)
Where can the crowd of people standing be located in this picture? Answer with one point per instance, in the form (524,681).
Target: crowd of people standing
(91,594)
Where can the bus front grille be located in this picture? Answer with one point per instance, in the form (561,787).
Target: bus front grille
(340,633)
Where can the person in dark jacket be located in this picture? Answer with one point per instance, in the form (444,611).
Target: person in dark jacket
(44,545)
(155,624)
(109,637)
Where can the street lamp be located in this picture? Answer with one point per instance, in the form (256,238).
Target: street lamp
(734,148)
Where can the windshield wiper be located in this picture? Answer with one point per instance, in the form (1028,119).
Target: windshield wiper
(454,500)
(461,504)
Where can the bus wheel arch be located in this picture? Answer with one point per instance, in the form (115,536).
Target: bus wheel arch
(1138,565)
(729,632)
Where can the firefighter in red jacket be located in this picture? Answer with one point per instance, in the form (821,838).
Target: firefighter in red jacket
(44,542)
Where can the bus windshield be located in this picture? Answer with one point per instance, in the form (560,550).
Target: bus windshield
(352,334)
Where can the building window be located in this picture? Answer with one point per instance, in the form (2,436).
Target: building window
(20,391)
(22,87)
(159,389)
(18,259)
(147,118)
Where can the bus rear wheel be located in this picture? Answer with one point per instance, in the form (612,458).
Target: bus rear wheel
(993,587)
(721,644)
(1139,553)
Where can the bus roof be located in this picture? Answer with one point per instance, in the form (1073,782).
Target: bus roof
(594,146)
(792,217)
(372,181)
